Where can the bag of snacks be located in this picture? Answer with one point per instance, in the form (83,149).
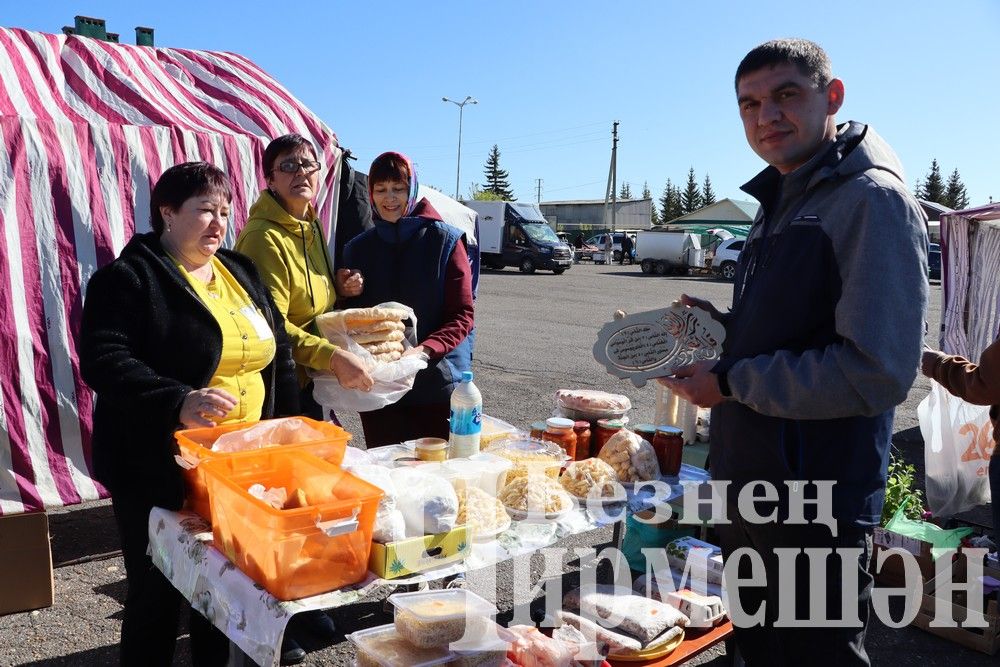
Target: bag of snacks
(633,459)
(428,502)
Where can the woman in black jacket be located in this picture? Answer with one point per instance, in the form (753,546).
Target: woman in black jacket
(177,333)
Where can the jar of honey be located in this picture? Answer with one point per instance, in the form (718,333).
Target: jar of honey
(605,429)
(431,449)
(582,430)
(560,431)
(668,443)
(537,428)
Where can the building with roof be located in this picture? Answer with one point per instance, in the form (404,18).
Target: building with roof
(733,215)
(587,216)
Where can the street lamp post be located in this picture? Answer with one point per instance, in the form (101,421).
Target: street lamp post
(461,106)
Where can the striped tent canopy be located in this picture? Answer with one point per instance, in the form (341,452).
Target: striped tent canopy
(86,128)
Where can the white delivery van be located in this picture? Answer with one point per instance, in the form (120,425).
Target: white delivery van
(516,234)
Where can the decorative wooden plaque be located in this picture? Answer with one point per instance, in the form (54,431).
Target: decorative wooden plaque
(658,342)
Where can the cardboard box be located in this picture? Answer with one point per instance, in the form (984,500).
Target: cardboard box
(983,639)
(892,573)
(704,555)
(417,554)
(25,563)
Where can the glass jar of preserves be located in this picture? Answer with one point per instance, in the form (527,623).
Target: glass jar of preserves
(668,443)
(582,430)
(645,431)
(605,429)
(431,449)
(560,431)
(537,428)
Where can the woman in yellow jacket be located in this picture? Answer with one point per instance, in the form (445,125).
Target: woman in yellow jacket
(284,238)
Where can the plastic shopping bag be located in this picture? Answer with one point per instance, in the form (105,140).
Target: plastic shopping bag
(937,537)
(391,379)
(958,444)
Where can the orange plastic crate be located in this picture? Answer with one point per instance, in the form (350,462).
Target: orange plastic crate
(194,445)
(299,552)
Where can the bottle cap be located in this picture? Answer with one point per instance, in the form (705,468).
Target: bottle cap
(559,422)
(466,376)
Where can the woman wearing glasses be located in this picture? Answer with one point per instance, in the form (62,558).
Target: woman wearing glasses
(284,238)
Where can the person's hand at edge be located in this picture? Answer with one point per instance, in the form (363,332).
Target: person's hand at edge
(350,371)
(202,408)
(696,383)
(349,283)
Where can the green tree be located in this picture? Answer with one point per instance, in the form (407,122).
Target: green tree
(955,195)
(691,196)
(626,192)
(478,194)
(654,216)
(496,178)
(667,202)
(932,189)
(707,193)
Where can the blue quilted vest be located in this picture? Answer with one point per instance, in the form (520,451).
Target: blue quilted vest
(406,262)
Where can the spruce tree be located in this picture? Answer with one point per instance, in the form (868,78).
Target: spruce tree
(955,195)
(626,192)
(677,203)
(707,193)
(496,178)
(933,187)
(654,216)
(691,196)
(666,202)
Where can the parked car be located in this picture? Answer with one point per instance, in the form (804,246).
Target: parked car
(934,261)
(726,255)
(599,240)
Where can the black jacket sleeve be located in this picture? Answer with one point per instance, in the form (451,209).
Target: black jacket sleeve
(112,335)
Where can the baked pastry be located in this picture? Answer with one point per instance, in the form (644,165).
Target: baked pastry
(382,348)
(377,337)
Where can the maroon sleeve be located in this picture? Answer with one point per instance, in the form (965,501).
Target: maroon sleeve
(459,313)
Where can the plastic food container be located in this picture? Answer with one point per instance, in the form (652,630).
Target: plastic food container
(293,553)
(194,449)
(493,471)
(590,405)
(383,647)
(483,652)
(530,456)
(494,429)
(437,618)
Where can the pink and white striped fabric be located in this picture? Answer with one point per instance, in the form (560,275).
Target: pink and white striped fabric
(86,128)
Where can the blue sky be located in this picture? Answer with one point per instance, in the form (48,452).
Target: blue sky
(550,78)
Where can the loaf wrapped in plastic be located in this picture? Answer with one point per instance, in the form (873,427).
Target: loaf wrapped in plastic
(640,617)
(590,405)
(633,459)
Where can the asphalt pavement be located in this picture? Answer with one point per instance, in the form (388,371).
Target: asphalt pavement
(534,336)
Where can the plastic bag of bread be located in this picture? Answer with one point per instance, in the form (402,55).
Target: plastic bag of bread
(530,648)
(377,336)
(590,404)
(633,459)
(390,525)
(637,616)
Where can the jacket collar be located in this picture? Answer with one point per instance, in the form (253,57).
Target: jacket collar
(400,231)
(267,208)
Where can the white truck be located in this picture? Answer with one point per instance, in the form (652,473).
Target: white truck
(516,234)
(663,252)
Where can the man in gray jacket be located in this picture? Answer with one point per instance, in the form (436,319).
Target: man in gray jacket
(822,342)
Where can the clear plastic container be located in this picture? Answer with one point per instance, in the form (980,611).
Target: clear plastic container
(490,650)
(530,456)
(437,618)
(494,429)
(493,471)
(382,646)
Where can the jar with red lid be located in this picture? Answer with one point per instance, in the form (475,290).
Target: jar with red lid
(605,429)
(582,430)
(668,443)
(560,431)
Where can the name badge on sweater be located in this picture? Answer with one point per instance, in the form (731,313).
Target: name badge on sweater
(258,322)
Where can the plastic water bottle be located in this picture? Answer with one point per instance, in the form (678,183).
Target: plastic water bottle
(466,419)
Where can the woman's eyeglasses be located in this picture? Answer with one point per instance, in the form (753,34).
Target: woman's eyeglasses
(293,166)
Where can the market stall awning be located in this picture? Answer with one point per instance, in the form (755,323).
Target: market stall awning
(86,127)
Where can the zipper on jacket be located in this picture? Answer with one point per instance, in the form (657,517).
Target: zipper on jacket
(305,258)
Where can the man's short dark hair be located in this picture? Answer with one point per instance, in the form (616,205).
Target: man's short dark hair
(284,144)
(808,57)
(181,182)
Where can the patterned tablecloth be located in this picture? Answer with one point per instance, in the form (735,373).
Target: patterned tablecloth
(181,547)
